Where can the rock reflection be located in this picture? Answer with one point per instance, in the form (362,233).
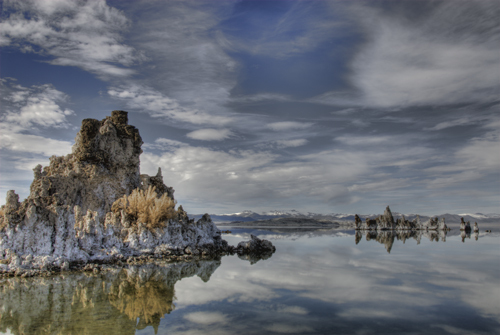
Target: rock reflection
(467,234)
(387,237)
(119,301)
(255,257)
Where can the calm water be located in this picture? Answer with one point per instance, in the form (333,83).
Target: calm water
(317,282)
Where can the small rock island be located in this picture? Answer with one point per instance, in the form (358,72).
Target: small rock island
(94,206)
(386,222)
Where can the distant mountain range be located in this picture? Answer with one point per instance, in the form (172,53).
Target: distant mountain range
(247,216)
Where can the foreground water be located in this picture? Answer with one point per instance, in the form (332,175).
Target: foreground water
(317,282)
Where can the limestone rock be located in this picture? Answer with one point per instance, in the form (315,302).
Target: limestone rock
(465,225)
(386,222)
(12,202)
(157,183)
(68,218)
(255,249)
(357,222)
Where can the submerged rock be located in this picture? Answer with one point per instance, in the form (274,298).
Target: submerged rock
(255,249)
(79,208)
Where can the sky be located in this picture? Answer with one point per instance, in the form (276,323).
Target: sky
(318,106)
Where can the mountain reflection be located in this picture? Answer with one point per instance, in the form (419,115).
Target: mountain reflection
(387,237)
(119,301)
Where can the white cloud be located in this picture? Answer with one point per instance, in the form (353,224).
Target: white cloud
(164,144)
(207,318)
(477,159)
(368,140)
(481,153)
(34,106)
(29,110)
(159,105)
(32,143)
(286,328)
(211,177)
(86,34)
(292,309)
(387,184)
(190,65)
(210,134)
(447,180)
(463,121)
(432,62)
(288,125)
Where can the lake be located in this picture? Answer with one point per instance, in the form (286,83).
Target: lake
(317,282)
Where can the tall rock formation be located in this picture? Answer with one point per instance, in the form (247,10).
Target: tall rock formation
(69,214)
(103,166)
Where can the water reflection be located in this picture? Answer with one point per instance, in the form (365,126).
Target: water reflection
(254,257)
(315,283)
(119,301)
(387,237)
(467,234)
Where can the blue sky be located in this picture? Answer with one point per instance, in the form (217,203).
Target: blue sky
(320,106)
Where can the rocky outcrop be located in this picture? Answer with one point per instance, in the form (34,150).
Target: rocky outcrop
(255,249)
(79,207)
(476,227)
(465,225)
(386,222)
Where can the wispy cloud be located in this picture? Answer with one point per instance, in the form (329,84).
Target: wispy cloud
(158,105)
(299,27)
(437,60)
(288,125)
(27,143)
(34,106)
(26,111)
(247,177)
(207,318)
(210,134)
(291,143)
(86,34)
(186,60)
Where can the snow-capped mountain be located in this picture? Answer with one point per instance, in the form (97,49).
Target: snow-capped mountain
(248,215)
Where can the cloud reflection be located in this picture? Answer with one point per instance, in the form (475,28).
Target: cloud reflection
(315,283)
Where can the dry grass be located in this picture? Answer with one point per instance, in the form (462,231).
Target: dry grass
(146,207)
(3,221)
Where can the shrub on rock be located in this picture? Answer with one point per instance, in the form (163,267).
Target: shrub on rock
(147,207)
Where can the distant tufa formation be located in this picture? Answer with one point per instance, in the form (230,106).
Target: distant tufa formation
(93,205)
(387,222)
